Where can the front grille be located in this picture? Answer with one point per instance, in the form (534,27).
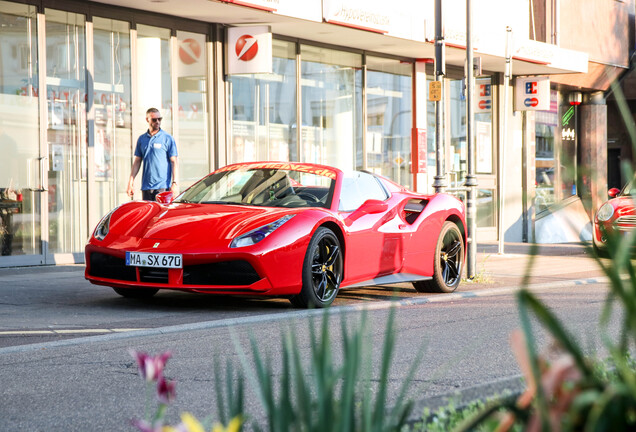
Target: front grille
(108,266)
(220,273)
(626,223)
(153,275)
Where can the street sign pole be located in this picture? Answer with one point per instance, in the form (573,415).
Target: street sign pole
(440,71)
(471,179)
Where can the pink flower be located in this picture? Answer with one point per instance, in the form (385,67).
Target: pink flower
(150,368)
(166,390)
(144,426)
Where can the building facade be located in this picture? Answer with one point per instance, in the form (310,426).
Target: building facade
(348,87)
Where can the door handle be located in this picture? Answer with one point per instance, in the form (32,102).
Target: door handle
(42,185)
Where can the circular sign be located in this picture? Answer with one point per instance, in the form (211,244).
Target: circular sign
(246,47)
(189,51)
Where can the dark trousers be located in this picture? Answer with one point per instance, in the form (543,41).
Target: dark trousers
(150,195)
(6,231)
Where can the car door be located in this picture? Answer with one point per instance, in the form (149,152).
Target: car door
(373,243)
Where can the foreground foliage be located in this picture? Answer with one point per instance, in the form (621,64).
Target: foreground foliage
(321,396)
(566,390)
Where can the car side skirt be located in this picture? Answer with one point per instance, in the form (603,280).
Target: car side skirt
(389,279)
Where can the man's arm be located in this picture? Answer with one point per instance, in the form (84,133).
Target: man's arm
(130,190)
(174,187)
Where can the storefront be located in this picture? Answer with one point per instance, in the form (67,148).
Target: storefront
(77,78)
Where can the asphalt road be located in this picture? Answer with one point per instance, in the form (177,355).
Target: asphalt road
(74,382)
(41,305)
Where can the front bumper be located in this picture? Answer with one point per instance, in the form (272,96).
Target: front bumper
(203,273)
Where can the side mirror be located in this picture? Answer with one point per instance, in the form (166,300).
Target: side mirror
(373,206)
(370,206)
(164,197)
(613,192)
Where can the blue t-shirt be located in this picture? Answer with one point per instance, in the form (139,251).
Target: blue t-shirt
(155,152)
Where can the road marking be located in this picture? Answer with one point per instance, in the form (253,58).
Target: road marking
(258,319)
(65,331)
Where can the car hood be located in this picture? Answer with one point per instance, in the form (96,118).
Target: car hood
(192,224)
(623,206)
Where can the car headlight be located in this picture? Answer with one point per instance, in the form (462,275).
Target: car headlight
(103,226)
(259,233)
(605,212)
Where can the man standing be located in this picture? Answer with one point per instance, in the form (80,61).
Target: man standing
(158,151)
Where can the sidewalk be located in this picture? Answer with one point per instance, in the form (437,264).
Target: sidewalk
(552,263)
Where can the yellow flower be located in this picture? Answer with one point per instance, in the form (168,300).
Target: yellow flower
(191,423)
(233,426)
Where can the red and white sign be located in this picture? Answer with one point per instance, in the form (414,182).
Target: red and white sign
(189,51)
(418,150)
(532,94)
(191,55)
(483,95)
(249,50)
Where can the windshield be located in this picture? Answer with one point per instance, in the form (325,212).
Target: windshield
(629,188)
(262,187)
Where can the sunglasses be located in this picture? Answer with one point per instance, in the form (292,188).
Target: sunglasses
(158,119)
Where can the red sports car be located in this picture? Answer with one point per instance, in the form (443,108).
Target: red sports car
(297,230)
(617,216)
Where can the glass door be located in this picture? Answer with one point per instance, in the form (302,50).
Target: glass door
(66,133)
(21,164)
(113,123)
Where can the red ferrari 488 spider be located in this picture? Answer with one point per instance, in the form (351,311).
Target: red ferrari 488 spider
(302,231)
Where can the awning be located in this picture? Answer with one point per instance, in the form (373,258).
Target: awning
(529,57)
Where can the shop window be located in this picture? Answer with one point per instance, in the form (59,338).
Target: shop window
(546,161)
(556,153)
(485,166)
(192,113)
(389,118)
(66,129)
(19,132)
(112,101)
(331,107)
(263,107)
(154,83)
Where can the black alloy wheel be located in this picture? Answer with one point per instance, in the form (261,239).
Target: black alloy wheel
(448,261)
(322,271)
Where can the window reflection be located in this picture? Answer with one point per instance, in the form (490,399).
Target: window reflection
(194,149)
(153,74)
(112,101)
(389,118)
(545,125)
(331,106)
(19,127)
(263,111)
(66,130)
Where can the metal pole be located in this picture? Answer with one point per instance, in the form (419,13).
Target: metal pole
(471,179)
(440,71)
(503,139)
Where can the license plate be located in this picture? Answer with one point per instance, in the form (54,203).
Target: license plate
(157,260)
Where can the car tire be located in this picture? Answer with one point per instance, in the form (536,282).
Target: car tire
(323,268)
(136,293)
(600,251)
(448,261)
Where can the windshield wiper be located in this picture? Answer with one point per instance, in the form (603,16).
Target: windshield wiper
(219,202)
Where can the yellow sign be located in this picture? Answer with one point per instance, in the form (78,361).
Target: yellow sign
(435,91)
